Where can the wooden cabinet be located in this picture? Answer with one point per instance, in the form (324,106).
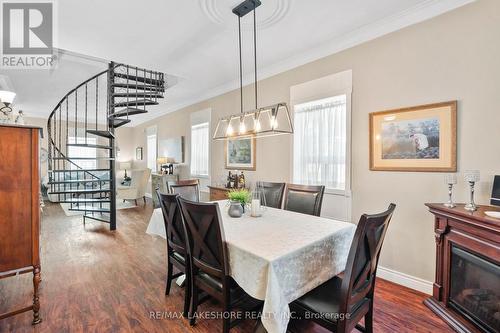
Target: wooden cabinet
(20,208)
(218,193)
(160,181)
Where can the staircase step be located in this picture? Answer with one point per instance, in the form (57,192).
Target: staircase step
(137,102)
(101,218)
(128,112)
(137,95)
(139,87)
(85,200)
(86,145)
(90,209)
(147,80)
(78,181)
(78,170)
(105,134)
(117,122)
(84,158)
(91,191)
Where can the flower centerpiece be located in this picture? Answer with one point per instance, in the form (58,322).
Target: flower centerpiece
(241,196)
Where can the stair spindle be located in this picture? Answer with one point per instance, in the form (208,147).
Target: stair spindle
(86,99)
(96,100)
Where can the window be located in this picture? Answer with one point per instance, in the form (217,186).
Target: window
(82,152)
(320,142)
(199,149)
(151,146)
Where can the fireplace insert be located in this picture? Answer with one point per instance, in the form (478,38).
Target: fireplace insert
(475,289)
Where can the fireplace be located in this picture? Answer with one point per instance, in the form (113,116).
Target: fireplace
(475,288)
(466,289)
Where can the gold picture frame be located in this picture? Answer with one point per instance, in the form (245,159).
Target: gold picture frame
(240,154)
(421,138)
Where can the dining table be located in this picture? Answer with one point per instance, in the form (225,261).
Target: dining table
(279,256)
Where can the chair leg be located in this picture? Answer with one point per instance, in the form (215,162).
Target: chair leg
(136,202)
(369,319)
(194,304)
(226,307)
(187,296)
(169,278)
(144,197)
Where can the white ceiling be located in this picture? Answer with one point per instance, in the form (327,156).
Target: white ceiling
(196,41)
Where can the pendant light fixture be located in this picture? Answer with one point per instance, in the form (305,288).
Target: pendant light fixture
(260,122)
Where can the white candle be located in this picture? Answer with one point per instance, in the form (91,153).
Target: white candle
(255,207)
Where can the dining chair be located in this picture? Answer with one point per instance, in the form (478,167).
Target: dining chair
(186,188)
(306,199)
(176,244)
(339,304)
(273,193)
(209,259)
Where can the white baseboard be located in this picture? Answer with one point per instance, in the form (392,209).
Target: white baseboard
(406,280)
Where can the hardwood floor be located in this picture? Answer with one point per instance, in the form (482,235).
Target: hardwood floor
(94,280)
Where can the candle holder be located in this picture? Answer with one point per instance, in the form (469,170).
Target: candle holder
(450,180)
(258,201)
(472,177)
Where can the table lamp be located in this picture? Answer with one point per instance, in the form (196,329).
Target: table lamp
(125,166)
(162,161)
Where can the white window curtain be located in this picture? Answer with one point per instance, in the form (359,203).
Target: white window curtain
(152,147)
(200,149)
(319,150)
(82,152)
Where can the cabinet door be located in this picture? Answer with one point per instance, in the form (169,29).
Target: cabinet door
(216,194)
(16,198)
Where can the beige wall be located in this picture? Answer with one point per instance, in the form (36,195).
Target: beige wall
(453,56)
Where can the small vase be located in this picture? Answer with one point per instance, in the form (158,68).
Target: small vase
(235,209)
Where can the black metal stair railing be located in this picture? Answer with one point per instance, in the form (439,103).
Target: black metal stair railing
(83,123)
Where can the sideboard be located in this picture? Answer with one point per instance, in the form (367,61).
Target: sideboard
(20,208)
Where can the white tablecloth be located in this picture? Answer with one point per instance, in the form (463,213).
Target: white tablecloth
(280,256)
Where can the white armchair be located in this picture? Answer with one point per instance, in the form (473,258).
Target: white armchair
(137,188)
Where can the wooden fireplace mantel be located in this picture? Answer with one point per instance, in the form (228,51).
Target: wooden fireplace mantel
(474,231)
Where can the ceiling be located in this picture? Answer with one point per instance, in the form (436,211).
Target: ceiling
(196,41)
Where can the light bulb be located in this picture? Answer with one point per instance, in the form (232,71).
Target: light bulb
(229,130)
(243,128)
(257,125)
(274,122)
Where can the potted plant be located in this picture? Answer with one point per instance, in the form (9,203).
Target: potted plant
(238,198)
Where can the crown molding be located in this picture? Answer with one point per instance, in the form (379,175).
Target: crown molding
(419,13)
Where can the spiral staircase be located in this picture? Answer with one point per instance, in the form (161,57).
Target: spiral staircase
(83,124)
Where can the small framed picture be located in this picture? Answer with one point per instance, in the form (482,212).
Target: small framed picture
(240,154)
(420,138)
(138,153)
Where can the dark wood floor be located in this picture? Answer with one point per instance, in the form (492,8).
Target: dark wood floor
(94,280)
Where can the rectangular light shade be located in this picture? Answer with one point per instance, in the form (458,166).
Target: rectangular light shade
(7,97)
(267,121)
(125,165)
(162,160)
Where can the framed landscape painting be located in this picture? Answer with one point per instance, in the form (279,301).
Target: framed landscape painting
(240,154)
(420,138)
